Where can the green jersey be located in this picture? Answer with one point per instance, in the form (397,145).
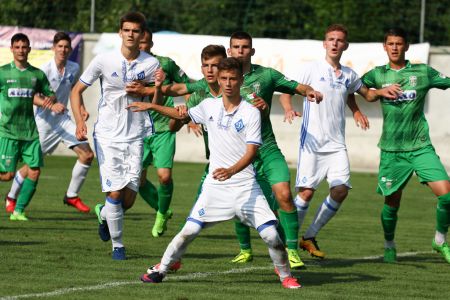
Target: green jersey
(173,74)
(404,125)
(17,88)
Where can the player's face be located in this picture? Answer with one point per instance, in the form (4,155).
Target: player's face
(145,44)
(131,34)
(395,48)
(335,43)
(62,50)
(230,82)
(20,51)
(209,68)
(242,50)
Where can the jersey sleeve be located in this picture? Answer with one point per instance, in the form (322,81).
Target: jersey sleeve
(438,80)
(195,86)
(193,100)
(197,113)
(92,72)
(176,73)
(368,79)
(44,85)
(355,83)
(282,83)
(303,75)
(253,131)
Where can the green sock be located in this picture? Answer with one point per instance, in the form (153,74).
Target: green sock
(443,213)
(165,192)
(243,235)
(149,193)
(281,233)
(389,221)
(289,222)
(25,194)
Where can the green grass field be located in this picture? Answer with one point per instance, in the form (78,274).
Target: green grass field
(58,254)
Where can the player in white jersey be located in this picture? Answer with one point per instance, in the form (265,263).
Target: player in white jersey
(323,153)
(56,127)
(230,188)
(118,133)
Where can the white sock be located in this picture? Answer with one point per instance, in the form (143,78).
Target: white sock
(79,173)
(276,250)
(440,238)
(389,244)
(324,214)
(16,185)
(302,209)
(114,217)
(178,245)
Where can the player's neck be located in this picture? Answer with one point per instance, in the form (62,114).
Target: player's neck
(60,65)
(130,54)
(334,63)
(246,67)
(214,89)
(21,65)
(397,65)
(231,102)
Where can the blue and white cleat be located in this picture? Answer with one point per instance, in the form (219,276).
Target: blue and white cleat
(119,253)
(103,230)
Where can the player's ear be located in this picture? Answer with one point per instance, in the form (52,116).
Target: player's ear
(252,52)
(229,51)
(407,47)
(346,46)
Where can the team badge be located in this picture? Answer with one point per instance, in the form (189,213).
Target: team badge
(201,212)
(256,87)
(108,182)
(141,75)
(412,81)
(239,125)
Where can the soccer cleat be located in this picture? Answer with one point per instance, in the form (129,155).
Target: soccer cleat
(155,277)
(173,268)
(444,249)
(10,204)
(312,247)
(390,255)
(103,230)
(119,253)
(18,216)
(291,283)
(244,256)
(161,223)
(294,259)
(77,203)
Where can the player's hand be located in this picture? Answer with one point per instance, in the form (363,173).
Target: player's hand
(81,131)
(391,92)
(195,128)
(58,108)
(84,114)
(160,76)
(139,106)
(361,120)
(259,103)
(182,110)
(136,88)
(314,96)
(222,174)
(290,115)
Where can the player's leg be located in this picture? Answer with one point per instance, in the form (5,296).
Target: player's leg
(11,197)
(147,190)
(112,212)
(9,158)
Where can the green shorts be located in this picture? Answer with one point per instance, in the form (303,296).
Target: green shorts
(12,151)
(159,150)
(272,164)
(396,168)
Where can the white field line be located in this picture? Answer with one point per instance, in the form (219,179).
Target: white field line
(106,285)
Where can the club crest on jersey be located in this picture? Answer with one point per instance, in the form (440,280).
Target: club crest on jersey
(412,81)
(256,87)
(239,125)
(108,182)
(141,75)
(201,212)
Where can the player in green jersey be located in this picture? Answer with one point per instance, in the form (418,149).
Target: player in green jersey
(159,148)
(405,142)
(19,139)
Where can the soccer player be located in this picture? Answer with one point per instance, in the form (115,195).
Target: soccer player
(54,128)
(230,189)
(159,148)
(405,142)
(118,133)
(323,153)
(19,140)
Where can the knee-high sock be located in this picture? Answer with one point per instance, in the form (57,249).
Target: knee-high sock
(302,210)
(179,244)
(324,214)
(442,218)
(16,185)
(113,213)
(269,234)
(243,235)
(289,222)
(389,221)
(79,173)
(149,193)
(25,194)
(165,192)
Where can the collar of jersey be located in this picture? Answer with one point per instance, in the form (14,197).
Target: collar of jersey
(407,65)
(13,65)
(212,96)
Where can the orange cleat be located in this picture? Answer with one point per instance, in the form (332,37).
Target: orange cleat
(10,204)
(77,203)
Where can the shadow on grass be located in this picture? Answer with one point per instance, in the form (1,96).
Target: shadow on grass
(18,243)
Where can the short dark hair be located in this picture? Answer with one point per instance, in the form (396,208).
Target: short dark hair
(61,36)
(229,64)
(241,35)
(20,37)
(213,50)
(396,31)
(150,34)
(337,27)
(134,17)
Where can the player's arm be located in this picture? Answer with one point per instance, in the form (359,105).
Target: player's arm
(391,92)
(170,112)
(222,174)
(309,93)
(48,103)
(77,104)
(361,119)
(160,76)
(289,112)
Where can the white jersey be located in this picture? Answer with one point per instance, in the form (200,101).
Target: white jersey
(115,122)
(228,136)
(323,127)
(62,84)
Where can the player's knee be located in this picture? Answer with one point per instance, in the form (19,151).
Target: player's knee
(190,230)
(165,177)
(34,173)
(339,193)
(444,201)
(6,176)
(306,194)
(87,157)
(393,200)
(268,233)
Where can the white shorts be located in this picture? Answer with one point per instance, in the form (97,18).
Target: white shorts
(313,167)
(63,132)
(218,202)
(120,164)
